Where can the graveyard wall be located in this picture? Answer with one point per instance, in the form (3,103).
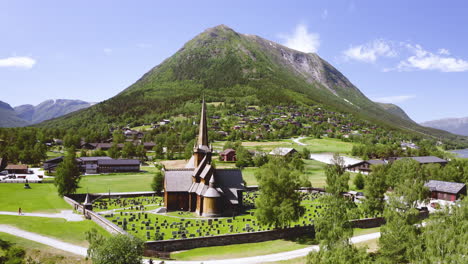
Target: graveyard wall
(101,221)
(153,248)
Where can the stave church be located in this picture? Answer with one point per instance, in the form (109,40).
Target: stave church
(201,188)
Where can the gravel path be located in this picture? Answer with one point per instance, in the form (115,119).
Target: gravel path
(298,141)
(272,257)
(44,240)
(68,215)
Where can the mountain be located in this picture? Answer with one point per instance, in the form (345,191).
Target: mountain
(395,110)
(27,114)
(9,118)
(457,126)
(224,65)
(49,109)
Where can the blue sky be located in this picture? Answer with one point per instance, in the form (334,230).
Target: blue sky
(412,53)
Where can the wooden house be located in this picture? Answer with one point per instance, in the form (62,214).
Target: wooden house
(228,155)
(17,169)
(449,191)
(365,166)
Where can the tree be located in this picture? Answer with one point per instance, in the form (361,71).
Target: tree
(158,151)
(128,150)
(297,163)
(341,254)
(374,190)
(117,249)
(11,253)
(337,179)
(114,151)
(158,182)
(305,153)
(279,203)
(243,157)
(67,175)
(359,181)
(118,137)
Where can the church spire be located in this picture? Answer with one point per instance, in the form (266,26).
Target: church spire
(203,132)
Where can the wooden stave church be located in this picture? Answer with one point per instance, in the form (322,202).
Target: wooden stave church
(200,187)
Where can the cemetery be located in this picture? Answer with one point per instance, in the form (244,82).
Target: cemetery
(137,216)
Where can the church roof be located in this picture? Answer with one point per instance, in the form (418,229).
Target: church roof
(178,180)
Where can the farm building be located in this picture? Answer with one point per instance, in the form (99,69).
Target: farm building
(228,155)
(17,169)
(284,152)
(94,165)
(51,164)
(449,191)
(200,187)
(365,166)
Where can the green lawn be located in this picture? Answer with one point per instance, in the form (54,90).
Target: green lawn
(327,145)
(43,253)
(238,251)
(42,197)
(116,182)
(315,172)
(248,174)
(72,232)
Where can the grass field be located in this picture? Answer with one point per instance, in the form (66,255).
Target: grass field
(117,182)
(42,253)
(72,232)
(327,145)
(248,174)
(42,197)
(238,251)
(315,172)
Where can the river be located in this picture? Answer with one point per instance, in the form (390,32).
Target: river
(462,153)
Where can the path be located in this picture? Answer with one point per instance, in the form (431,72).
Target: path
(68,215)
(298,141)
(248,260)
(273,257)
(44,240)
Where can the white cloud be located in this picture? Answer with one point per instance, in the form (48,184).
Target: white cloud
(325,14)
(18,62)
(302,39)
(444,51)
(107,51)
(370,51)
(393,99)
(425,60)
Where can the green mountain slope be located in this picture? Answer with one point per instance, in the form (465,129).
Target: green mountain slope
(227,66)
(395,110)
(9,118)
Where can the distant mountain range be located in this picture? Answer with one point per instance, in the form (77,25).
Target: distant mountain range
(454,125)
(27,114)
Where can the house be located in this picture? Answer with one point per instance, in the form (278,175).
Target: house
(51,164)
(95,165)
(118,165)
(425,160)
(200,187)
(228,155)
(365,166)
(449,191)
(17,169)
(284,152)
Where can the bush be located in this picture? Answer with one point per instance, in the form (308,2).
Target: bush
(359,181)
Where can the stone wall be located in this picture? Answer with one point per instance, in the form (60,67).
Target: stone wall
(101,221)
(153,248)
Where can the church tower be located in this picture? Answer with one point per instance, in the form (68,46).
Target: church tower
(201,148)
